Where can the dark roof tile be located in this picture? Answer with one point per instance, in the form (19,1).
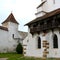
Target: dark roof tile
(11,18)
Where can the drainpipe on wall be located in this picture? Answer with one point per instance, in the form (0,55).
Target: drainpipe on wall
(17,38)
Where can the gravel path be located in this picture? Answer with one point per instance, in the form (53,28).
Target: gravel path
(3,58)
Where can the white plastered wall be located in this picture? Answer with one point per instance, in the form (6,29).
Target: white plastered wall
(32,49)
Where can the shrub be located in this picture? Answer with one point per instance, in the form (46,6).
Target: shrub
(19,49)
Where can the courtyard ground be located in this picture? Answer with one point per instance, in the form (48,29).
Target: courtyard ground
(14,56)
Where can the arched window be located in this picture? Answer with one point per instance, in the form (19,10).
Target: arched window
(55,41)
(39,42)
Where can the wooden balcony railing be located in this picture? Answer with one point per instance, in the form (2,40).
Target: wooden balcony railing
(43,27)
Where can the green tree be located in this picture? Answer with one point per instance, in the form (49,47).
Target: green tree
(19,49)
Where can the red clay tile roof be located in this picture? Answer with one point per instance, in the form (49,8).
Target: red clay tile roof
(3,28)
(52,13)
(11,18)
(41,4)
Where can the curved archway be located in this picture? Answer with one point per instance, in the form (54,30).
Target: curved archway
(55,41)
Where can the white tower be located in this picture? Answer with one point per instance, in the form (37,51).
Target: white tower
(47,6)
(11,24)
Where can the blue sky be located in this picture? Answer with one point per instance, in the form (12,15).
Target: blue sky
(23,11)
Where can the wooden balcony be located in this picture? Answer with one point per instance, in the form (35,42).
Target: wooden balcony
(43,27)
(34,29)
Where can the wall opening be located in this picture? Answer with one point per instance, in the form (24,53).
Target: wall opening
(39,42)
(55,41)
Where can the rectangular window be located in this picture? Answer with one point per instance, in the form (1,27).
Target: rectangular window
(39,42)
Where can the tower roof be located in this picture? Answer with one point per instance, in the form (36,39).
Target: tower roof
(10,18)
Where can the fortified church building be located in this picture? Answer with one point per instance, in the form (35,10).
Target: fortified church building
(9,35)
(44,31)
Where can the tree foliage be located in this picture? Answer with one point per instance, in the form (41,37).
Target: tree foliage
(19,49)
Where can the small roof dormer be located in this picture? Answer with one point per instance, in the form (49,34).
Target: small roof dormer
(10,18)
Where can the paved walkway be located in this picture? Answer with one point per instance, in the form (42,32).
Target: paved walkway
(3,58)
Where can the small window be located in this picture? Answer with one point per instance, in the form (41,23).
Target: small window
(39,42)
(55,41)
(13,35)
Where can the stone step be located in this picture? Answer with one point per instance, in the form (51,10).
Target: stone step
(47,46)
(45,52)
(45,49)
(24,48)
(45,41)
(44,56)
(24,52)
(44,46)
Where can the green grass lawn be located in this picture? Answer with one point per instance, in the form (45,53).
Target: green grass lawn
(14,56)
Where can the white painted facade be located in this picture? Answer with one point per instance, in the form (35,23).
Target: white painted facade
(30,43)
(7,42)
(32,47)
